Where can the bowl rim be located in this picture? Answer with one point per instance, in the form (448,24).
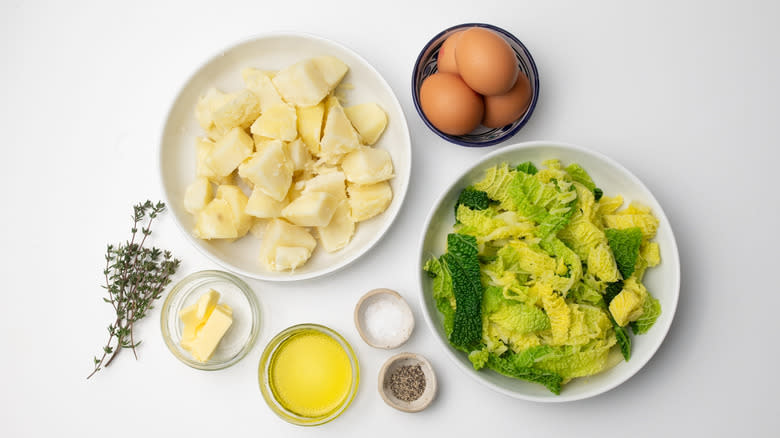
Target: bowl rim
(456,138)
(359,319)
(293,276)
(454,356)
(270,351)
(212,275)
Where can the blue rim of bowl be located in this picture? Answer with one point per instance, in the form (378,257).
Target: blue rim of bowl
(499,134)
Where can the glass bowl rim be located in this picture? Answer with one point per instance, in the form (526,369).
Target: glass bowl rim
(265,388)
(182,285)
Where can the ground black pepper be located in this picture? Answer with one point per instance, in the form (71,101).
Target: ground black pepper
(407,382)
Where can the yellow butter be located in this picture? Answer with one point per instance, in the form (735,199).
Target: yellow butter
(195,316)
(191,322)
(211,333)
(188,315)
(206,304)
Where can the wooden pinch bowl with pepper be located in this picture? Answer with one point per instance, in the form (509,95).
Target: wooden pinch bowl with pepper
(401,385)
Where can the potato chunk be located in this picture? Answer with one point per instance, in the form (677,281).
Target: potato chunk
(259,82)
(278,122)
(288,258)
(208,104)
(339,231)
(216,221)
(237,201)
(229,152)
(238,113)
(281,234)
(310,125)
(298,154)
(198,194)
(367,201)
(338,137)
(332,182)
(313,209)
(269,170)
(263,206)
(367,166)
(302,84)
(332,69)
(203,148)
(369,120)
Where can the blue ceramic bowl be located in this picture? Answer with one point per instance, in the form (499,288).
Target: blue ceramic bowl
(481,136)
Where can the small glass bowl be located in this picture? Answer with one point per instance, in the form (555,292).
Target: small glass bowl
(234,292)
(481,136)
(266,360)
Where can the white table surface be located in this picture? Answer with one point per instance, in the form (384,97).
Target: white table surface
(682,93)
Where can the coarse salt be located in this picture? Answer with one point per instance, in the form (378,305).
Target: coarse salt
(387,321)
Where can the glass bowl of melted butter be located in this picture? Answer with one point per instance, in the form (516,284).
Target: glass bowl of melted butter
(308,374)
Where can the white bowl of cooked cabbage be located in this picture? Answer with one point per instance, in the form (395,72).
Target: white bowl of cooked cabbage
(548,272)
(285,157)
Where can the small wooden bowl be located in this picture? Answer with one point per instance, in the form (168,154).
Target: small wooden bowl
(397,300)
(393,364)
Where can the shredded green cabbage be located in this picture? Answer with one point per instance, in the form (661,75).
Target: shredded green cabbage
(543,274)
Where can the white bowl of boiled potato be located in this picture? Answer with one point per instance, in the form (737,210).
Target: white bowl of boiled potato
(285,157)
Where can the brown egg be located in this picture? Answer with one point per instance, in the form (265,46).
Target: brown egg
(450,105)
(446,59)
(506,108)
(486,62)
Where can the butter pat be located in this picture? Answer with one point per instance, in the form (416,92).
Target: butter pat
(212,332)
(205,323)
(188,316)
(205,305)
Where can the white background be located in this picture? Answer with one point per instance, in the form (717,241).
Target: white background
(682,93)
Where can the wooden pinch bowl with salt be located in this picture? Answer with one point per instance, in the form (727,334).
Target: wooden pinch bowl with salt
(384,319)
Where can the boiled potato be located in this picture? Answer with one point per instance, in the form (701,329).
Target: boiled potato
(259,82)
(304,160)
(338,136)
(332,182)
(278,122)
(367,201)
(237,201)
(229,152)
(263,206)
(367,166)
(198,194)
(369,120)
(288,258)
(237,113)
(313,209)
(332,69)
(269,170)
(281,234)
(208,104)
(215,221)
(310,125)
(339,231)
(302,84)
(298,154)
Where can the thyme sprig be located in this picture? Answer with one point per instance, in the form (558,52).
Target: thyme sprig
(135,277)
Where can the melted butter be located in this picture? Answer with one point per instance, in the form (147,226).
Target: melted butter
(310,374)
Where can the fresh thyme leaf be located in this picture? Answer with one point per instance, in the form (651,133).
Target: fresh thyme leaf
(135,277)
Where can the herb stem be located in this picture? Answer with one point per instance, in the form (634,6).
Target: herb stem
(135,277)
